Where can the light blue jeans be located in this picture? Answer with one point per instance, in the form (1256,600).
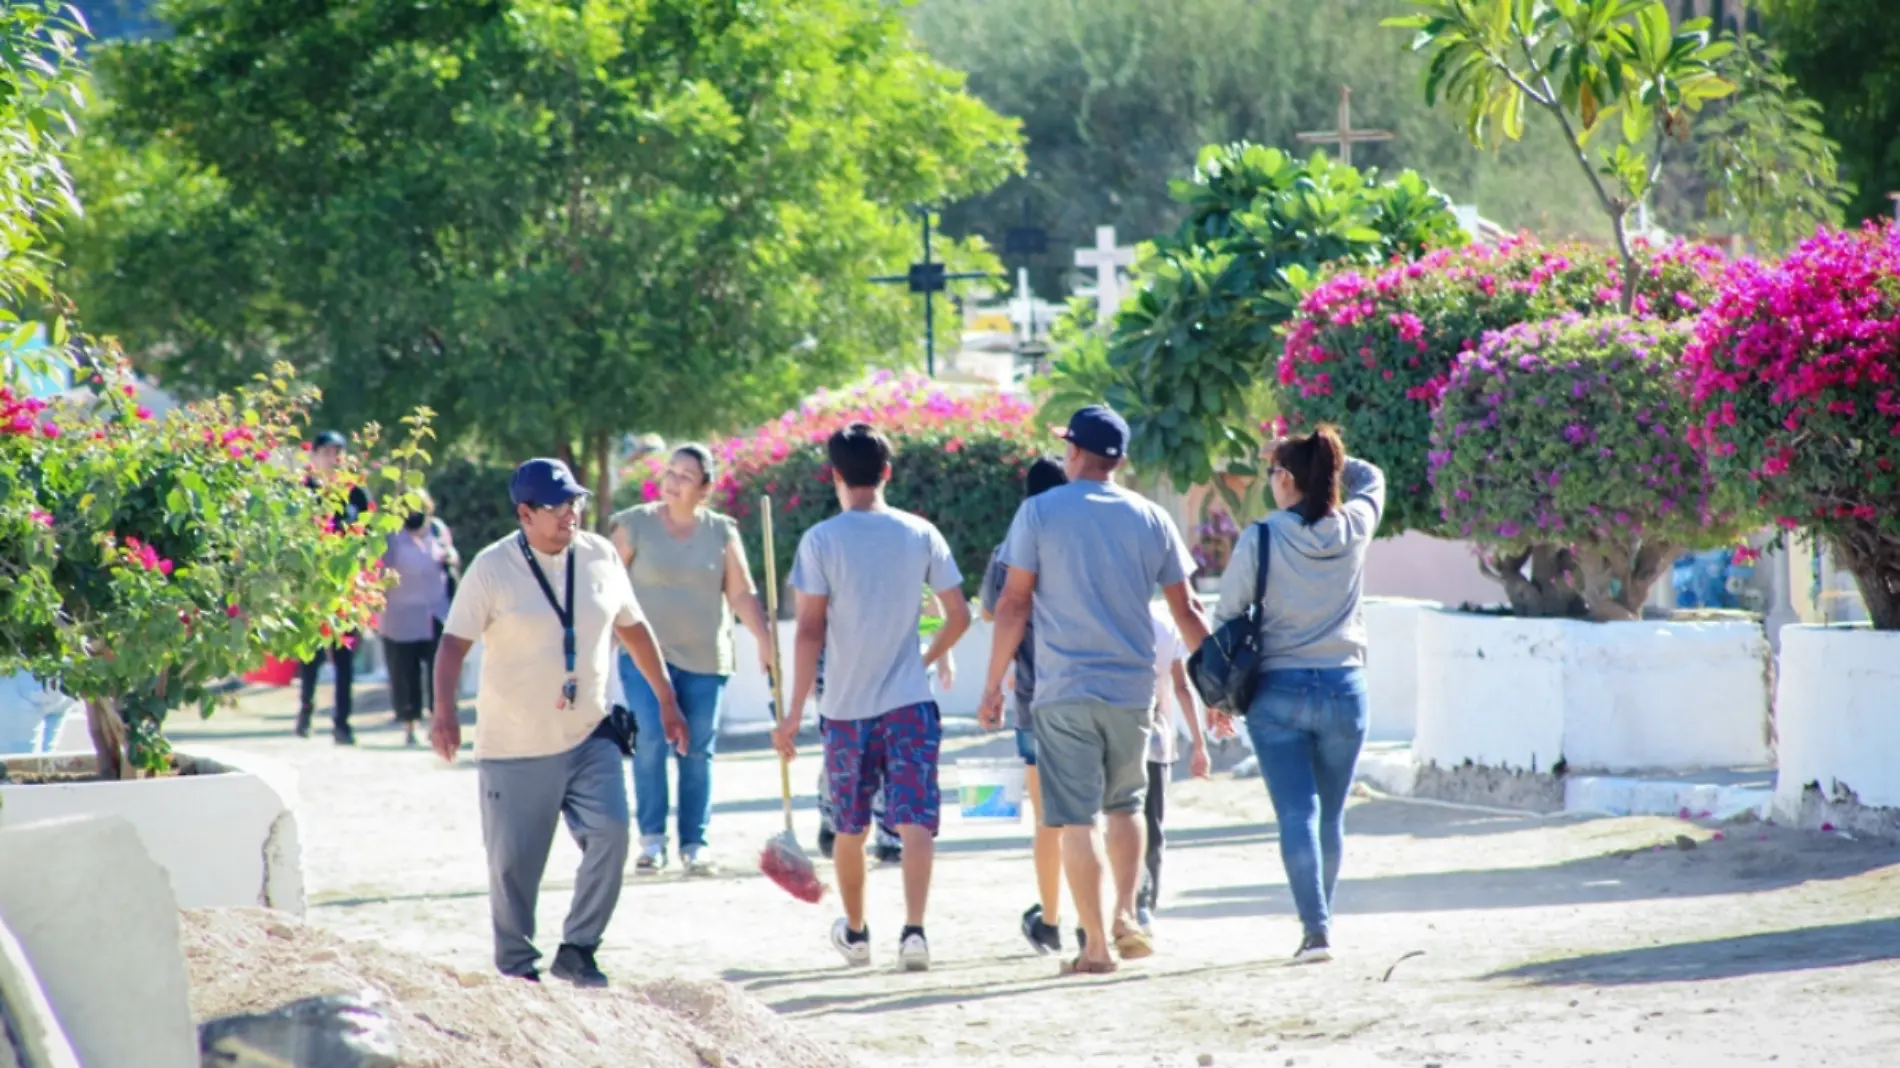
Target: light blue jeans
(1307,727)
(700,698)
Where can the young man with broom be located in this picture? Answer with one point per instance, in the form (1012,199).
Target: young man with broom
(857,576)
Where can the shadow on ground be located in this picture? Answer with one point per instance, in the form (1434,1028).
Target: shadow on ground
(1802,949)
(1714,868)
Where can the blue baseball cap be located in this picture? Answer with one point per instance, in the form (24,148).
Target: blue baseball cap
(1099,430)
(545,484)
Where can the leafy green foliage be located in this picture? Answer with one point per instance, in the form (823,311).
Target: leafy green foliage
(550,221)
(1585,62)
(40,89)
(1199,333)
(471,497)
(1372,353)
(1575,431)
(1844,54)
(178,552)
(1771,166)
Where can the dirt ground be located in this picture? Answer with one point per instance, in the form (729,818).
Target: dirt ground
(1465,937)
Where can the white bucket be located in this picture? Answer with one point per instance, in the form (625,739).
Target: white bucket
(990,790)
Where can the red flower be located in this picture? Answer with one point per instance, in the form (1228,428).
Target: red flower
(323,629)
(231,611)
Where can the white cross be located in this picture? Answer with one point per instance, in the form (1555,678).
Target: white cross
(1106,260)
(1023,307)
(1344,135)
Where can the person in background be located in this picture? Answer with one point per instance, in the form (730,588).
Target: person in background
(859,577)
(547,603)
(326,456)
(1084,559)
(422,557)
(1172,691)
(1042,921)
(689,570)
(1308,718)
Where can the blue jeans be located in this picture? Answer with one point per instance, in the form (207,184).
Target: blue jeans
(699,699)
(1307,727)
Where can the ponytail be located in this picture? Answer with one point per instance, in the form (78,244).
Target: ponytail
(1315,461)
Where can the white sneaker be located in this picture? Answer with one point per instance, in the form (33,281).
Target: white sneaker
(652,859)
(914,953)
(856,954)
(697,864)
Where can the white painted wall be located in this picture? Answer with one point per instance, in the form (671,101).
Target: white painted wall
(1415,566)
(1392,626)
(1837,715)
(97,922)
(1490,690)
(1643,696)
(1647,696)
(224,839)
(748,696)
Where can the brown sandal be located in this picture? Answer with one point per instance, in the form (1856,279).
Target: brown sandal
(1084,966)
(1134,945)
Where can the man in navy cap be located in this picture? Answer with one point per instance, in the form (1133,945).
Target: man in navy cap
(547,602)
(1085,559)
(326,457)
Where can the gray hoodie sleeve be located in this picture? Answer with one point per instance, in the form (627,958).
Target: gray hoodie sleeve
(1236,583)
(1364,492)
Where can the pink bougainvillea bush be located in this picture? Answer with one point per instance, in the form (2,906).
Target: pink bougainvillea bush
(1372,352)
(1796,381)
(1573,433)
(960,461)
(145,559)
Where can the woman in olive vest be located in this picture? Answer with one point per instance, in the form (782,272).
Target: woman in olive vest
(689,571)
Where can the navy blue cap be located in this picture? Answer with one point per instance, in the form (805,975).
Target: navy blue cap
(544,483)
(330,438)
(1099,430)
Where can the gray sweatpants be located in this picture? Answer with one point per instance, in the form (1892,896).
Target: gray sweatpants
(521,800)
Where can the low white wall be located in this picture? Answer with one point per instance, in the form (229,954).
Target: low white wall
(225,839)
(1837,715)
(1432,569)
(1645,696)
(99,926)
(1490,691)
(1523,693)
(1392,626)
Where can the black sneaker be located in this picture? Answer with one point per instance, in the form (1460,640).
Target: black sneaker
(530,975)
(827,838)
(345,736)
(303,724)
(1313,950)
(576,965)
(1043,938)
(890,854)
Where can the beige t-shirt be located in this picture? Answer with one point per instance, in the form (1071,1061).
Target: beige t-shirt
(500,604)
(681,583)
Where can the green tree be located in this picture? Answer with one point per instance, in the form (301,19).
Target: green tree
(1583,62)
(1844,54)
(41,87)
(1118,96)
(1197,340)
(550,221)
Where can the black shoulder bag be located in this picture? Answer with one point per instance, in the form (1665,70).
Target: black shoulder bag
(1226,668)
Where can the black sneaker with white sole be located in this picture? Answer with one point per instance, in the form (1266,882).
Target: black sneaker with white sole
(1313,950)
(576,965)
(1044,938)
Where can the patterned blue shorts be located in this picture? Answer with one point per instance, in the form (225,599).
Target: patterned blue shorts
(895,753)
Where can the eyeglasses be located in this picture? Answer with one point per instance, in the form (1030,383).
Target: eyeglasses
(1276,469)
(562,511)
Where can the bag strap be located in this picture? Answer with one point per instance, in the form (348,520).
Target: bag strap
(1260,564)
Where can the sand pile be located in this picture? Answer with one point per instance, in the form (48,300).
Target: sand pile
(255,960)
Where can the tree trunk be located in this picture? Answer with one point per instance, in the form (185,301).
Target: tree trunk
(603,481)
(1547,593)
(1617,577)
(109,739)
(1874,561)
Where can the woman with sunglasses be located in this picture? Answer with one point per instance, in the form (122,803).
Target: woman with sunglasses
(689,572)
(1308,716)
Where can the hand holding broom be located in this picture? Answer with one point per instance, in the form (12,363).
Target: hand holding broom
(782,861)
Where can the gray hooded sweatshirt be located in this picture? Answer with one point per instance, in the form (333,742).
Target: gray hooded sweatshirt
(1315,576)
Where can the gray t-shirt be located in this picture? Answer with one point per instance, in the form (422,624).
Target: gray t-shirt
(873,566)
(1098,552)
(992,592)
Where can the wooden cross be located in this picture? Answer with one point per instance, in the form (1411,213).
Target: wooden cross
(1107,261)
(1344,135)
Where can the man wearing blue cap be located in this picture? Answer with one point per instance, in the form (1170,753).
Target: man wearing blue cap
(326,457)
(547,603)
(1085,559)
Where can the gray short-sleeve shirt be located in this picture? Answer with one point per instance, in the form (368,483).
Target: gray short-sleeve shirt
(1025,692)
(873,566)
(1098,552)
